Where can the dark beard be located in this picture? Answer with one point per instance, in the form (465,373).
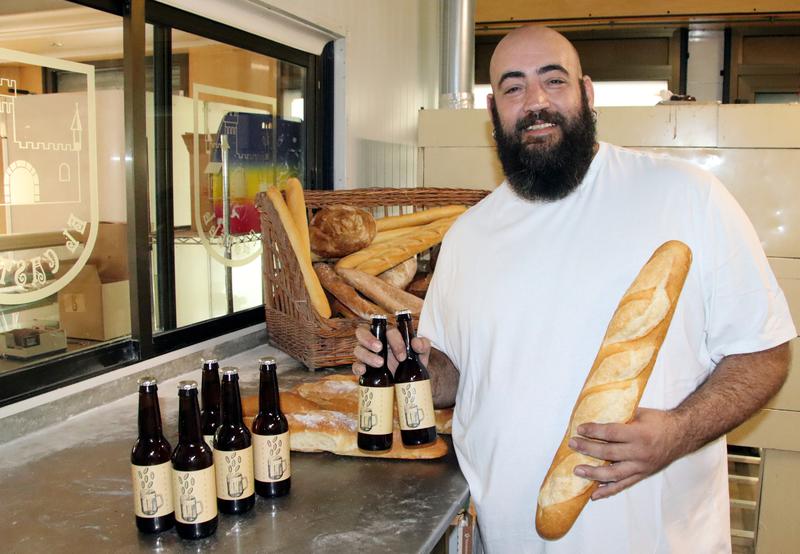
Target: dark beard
(539,172)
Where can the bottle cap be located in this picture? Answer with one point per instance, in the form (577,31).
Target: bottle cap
(402,312)
(377,316)
(209,363)
(187,385)
(268,360)
(228,371)
(147,381)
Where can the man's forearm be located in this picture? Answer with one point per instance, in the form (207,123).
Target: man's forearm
(444,379)
(738,387)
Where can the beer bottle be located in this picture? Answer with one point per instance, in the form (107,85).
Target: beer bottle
(150,467)
(412,385)
(273,470)
(376,398)
(193,484)
(210,392)
(233,451)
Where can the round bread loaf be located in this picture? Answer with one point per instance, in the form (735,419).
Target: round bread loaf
(336,231)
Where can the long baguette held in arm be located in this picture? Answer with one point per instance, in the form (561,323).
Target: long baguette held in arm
(418,218)
(296,202)
(315,292)
(615,382)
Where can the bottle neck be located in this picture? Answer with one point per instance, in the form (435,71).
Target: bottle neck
(407,332)
(379,331)
(210,390)
(188,417)
(268,397)
(231,407)
(149,413)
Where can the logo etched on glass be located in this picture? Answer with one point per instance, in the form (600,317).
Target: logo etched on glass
(48,163)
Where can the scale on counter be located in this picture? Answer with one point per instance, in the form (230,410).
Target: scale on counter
(23,344)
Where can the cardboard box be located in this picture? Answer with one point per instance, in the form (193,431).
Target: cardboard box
(110,252)
(91,309)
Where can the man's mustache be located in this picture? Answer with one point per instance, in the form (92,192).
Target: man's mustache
(540,117)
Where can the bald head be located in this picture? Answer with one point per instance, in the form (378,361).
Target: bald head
(532,45)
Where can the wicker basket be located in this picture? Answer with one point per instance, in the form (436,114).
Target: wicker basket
(292,324)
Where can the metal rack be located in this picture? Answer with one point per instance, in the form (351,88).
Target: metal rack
(744,483)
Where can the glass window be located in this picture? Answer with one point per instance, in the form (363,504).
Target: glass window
(63,258)
(238,126)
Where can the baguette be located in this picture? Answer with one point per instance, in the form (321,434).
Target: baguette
(345,293)
(400,275)
(615,382)
(394,233)
(296,202)
(377,258)
(340,309)
(418,218)
(382,293)
(318,299)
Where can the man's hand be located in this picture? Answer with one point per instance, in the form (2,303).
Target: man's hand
(368,345)
(646,445)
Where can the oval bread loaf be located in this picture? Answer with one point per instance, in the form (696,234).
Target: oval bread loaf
(615,382)
(337,231)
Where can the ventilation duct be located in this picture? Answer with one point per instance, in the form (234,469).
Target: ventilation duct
(458,54)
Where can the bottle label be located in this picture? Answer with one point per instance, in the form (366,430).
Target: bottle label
(209,441)
(152,490)
(271,456)
(234,473)
(375,407)
(195,495)
(415,405)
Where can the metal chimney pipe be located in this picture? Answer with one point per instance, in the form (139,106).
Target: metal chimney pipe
(457,76)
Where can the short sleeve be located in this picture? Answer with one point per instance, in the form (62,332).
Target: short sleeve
(432,319)
(747,311)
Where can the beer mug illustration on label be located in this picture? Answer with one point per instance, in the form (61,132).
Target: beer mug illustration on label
(368,418)
(191,507)
(413,413)
(150,502)
(237,483)
(414,416)
(277,467)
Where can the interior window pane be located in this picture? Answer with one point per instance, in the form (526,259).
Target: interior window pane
(238,126)
(63,259)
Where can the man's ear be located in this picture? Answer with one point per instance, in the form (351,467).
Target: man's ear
(589,86)
(489,102)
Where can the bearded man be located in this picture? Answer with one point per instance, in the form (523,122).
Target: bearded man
(525,285)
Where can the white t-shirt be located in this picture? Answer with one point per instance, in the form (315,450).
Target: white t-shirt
(520,301)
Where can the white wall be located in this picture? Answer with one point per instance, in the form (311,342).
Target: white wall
(390,60)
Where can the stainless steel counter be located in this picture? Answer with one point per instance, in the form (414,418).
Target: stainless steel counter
(67,488)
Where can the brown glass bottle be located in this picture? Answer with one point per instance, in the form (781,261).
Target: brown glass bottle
(412,384)
(376,398)
(150,465)
(209,390)
(193,484)
(273,470)
(233,451)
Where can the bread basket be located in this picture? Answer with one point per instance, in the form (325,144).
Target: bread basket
(292,324)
